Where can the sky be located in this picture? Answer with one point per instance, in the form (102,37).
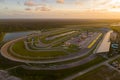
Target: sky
(75,9)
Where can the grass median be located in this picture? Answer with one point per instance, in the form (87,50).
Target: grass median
(19,48)
(101,73)
(54,74)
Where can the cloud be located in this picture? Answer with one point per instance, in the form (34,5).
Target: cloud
(28,9)
(2,1)
(112,4)
(30,3)
(6,8)
(79,3)
(60,1)
(18,3)
(116,6)
(42,8)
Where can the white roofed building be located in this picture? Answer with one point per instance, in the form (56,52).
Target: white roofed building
(104,47)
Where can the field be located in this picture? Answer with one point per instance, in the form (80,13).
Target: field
(52,44)
(53,74)
(101,73)
(20,49)
(36,24)
(36,53)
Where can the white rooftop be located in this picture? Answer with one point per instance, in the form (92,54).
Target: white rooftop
(105,45)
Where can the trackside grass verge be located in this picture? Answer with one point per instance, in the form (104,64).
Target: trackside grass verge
(19,49)
(54,74)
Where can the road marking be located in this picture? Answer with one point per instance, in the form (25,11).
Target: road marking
(94,41)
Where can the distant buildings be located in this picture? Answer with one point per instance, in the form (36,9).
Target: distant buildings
(113,36)
(116,64)
(79,40)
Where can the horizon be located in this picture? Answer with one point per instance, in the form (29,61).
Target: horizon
(60,9)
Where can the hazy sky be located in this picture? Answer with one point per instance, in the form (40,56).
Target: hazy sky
(82,9)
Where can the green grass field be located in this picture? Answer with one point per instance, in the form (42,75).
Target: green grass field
(19,48)
(100,73)
(2,36)
(43,40)
(53,74)
(22,52)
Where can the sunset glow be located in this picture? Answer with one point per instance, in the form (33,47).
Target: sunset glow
(60,9)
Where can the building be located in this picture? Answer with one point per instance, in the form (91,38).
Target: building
(104,46)
(113,36)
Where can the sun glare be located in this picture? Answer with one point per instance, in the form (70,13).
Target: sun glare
(57,8)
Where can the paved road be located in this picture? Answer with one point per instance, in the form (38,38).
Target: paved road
(88,41)
(5,53)
(14,67)
(61,66)
(107,64)
(4,49)
(83,52)
(56,36)
(90,69)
